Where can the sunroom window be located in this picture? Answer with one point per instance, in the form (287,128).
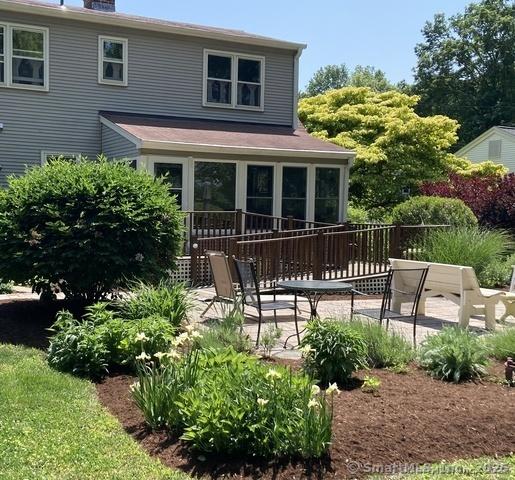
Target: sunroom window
(172,174)
(233,80)
(215,186)
(327,194)
(113,61)
(294,192)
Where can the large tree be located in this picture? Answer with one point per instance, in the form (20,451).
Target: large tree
(466,67)
(327,78)
(396,148)
(332,77)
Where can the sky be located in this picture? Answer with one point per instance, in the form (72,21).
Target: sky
(380,33)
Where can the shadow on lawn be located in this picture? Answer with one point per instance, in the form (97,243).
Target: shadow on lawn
(25,321)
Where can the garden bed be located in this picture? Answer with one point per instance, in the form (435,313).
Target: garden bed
(414,420)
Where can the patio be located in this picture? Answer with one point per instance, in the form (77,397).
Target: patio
(439,313)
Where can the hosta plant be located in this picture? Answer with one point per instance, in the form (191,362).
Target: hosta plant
(454,354)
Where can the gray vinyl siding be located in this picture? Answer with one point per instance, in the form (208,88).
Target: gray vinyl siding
(115,146)
(165,78)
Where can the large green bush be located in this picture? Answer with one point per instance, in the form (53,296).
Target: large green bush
(228,402)
(433,211)
(485,250)
(333,350)
(86,228)
(454,354)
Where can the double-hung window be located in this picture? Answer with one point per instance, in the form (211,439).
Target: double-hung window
(233,80)
(23,56)
(113,57)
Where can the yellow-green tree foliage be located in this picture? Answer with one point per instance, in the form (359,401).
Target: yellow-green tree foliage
(395,147)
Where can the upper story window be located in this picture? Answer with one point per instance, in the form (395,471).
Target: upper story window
(233,80)
(113,61)
(494,149)
(24,56)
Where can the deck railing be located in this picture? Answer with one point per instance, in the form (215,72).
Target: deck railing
(333,252)
(215,224)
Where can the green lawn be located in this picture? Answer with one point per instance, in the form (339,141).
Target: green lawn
(53,427)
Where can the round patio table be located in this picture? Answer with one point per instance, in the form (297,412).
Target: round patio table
(314,290)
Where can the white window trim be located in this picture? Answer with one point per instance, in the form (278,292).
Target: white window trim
(125,60)
(46,153)
(235,56)
(8,56)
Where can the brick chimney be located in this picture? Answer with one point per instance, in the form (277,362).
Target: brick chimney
(101,5)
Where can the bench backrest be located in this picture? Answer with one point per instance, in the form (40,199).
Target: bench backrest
(442,277)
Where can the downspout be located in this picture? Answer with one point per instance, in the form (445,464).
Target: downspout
(295,119)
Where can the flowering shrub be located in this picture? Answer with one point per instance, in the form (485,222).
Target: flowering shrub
(228,402)
(491,198)
(86,228)
(333,351)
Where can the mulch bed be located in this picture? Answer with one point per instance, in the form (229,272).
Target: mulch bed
(415,420)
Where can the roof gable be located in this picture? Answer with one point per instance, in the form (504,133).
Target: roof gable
(506,132)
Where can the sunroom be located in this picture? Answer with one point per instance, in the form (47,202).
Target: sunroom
(225,166)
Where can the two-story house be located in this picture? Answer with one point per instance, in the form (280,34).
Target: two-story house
(215,109)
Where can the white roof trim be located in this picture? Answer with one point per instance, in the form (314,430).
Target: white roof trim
(142,23)
(229,149)
(469,146)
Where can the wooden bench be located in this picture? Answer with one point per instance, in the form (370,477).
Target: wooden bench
(456,283)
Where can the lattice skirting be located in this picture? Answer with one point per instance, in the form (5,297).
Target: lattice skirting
(182,272)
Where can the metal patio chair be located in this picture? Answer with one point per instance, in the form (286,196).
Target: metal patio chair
(407,284)
(222,279)
(251,295)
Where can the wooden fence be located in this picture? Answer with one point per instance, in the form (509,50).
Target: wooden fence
(331,253)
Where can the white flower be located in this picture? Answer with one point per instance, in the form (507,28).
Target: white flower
(315,390)
(143,356)
(183,337)
(173,354)
(271,374)
(196,334)
(134,386)
(262,402)
(306,350)
(332,388)
(141,337)
(139,257)
(313,403)
(189,328)
(159,355)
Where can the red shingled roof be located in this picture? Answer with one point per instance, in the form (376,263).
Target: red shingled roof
(214,133)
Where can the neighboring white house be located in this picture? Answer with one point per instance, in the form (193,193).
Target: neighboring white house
(496,144)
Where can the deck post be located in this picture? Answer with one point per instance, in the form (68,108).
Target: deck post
(290,223)
(194,260)
(318,257)
(396,242)
(238,227)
